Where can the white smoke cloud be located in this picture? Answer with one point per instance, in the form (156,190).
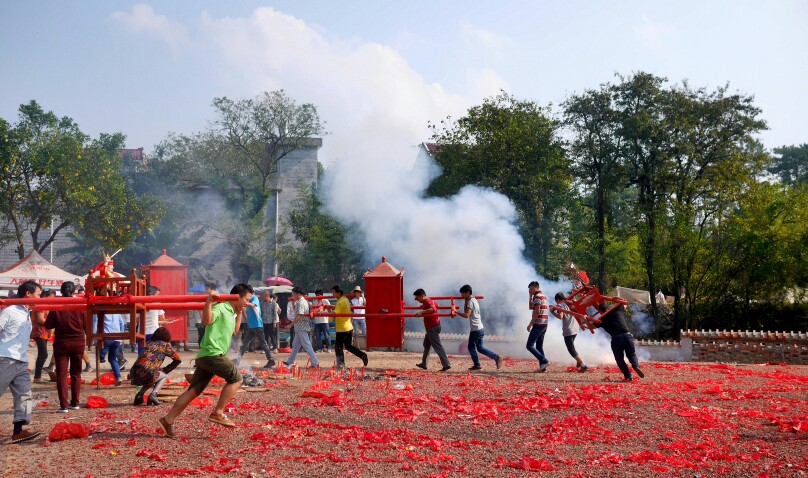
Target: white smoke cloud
(377,108)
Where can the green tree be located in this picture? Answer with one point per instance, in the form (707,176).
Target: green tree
(645,141)
(714,157)
(791,164)
(55,176)
(594,151)
(326,256)
(238,156)
(511,146)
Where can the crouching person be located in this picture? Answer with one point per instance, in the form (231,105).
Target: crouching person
(148,372)
(221,323)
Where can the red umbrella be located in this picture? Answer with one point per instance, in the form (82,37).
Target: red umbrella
(277,281)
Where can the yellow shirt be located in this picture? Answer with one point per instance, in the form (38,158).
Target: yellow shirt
(343,307)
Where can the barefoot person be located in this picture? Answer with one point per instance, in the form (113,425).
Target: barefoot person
(471,311)
(15,331)
(429,311)
(221,324)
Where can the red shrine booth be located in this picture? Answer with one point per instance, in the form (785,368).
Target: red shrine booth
(171,277)
(384,294)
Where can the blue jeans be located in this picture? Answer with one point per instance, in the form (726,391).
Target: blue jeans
(624,344)
(321,337)
(535,343)
(476,345)
(302,340)
(112,347)
(360,327)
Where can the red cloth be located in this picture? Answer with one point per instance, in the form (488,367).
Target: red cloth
(430,320)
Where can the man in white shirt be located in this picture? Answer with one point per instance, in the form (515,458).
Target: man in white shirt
(322,340)
(15,332)
(359,324)
(154,318)
(471,311)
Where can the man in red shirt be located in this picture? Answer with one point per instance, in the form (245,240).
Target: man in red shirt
(429,311)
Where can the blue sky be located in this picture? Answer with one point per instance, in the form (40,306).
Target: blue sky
(379,71)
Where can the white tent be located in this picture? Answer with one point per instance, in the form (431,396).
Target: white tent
(34,267)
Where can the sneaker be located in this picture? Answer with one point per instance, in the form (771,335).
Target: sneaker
(24,435)
(62,410)
(168,428)
(626,379)
(37,379)
(87,368)
(476,367)
(269,365)
(73,407)
(499,363)
(365,360)
(118,382)
(583,368)
(639,372)
(49,367)
(544,366)
(221,420)
(421,365)
(153,400)
(445,368)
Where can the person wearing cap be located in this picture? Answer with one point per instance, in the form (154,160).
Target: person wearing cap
(358,304)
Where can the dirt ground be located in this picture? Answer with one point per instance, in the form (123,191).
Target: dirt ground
(684,419)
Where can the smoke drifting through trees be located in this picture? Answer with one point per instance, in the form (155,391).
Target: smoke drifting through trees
(444,243)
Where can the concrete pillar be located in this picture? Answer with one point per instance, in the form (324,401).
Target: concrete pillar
(687,349)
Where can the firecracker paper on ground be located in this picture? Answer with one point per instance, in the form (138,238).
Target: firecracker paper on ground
(683,419)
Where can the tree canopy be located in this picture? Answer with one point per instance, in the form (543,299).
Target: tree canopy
(53,174)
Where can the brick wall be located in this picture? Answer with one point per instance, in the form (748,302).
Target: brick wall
(747,347)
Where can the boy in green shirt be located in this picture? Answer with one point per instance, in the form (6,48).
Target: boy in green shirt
(221,322)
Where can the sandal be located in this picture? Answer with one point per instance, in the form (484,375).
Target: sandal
(221,420)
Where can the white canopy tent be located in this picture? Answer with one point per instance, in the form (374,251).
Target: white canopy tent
(36,268)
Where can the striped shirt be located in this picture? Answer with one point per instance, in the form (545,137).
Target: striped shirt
(540,300)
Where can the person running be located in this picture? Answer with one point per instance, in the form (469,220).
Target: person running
(614,323)
(254,331)
(15,332)
(538,324)
(344,326)
(68,350)
(471,311)
(429,311)
(113,324)
(148,372)
(569,328)
(302,327)
(221,324)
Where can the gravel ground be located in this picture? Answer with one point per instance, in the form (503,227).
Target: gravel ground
(691,419)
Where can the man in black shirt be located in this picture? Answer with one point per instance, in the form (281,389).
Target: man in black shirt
(614,323)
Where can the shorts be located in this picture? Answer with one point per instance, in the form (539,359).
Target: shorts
(207,367)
